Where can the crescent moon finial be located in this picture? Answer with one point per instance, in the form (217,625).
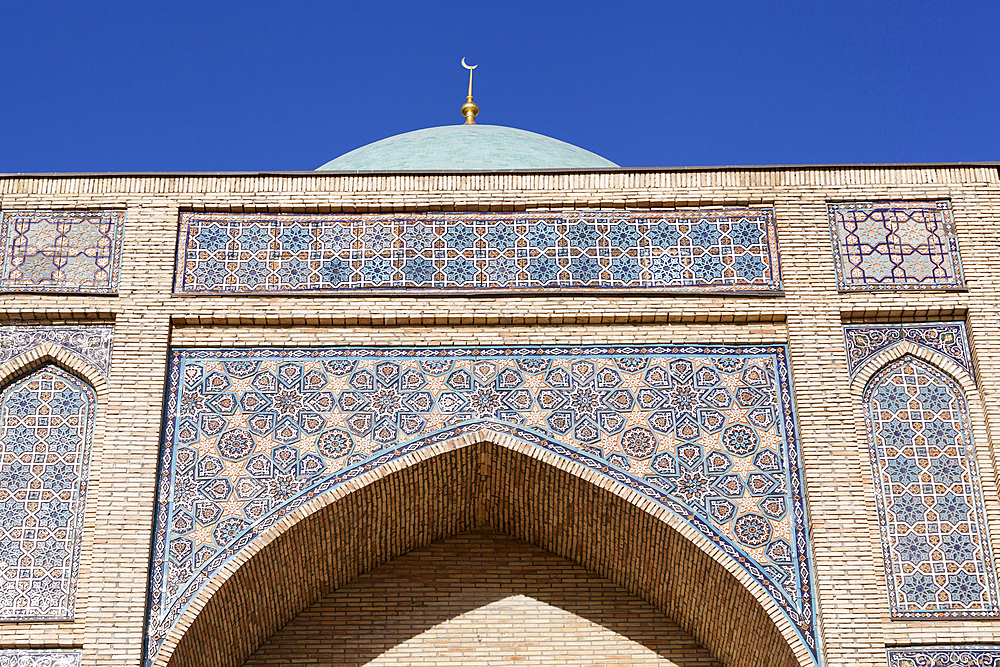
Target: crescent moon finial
(468,67)
(469,109)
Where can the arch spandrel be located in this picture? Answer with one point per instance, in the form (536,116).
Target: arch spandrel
(704,434)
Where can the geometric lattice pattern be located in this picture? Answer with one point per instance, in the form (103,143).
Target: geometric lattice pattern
(47,419)
(29,658)
(973,655)
(895,246)
(90,343)
(707,432)
(938,561)
(731,250)
(865,341)
(61,251)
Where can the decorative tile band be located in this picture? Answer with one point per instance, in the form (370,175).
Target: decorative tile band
(91,343)
(707,432)
(937,555)
(47,422)
(712,251)
(864,341)
(39,658)
(895,245)
(970,655)
(61,251)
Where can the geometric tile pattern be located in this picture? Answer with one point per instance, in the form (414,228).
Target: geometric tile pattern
(90,343)
(47,419)
(43,658)
(895,245)
(61,251)
(864,341)
(707,432)
(712,251)
(971,655)
(937,555)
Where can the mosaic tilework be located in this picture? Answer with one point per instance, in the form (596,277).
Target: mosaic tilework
(673,251)
(864,341)
(972,655)
(707,432)
(938,562)
(47,420)
(895,246)
(43,658)
(61,251)
(91,343)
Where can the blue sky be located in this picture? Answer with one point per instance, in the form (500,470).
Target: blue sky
(248,86)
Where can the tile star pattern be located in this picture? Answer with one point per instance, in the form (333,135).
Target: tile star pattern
(971,655)
(47,421)
(895,245)
(937,555)
(91,343)
(712,251)
(43,658)
(707,432)
(61,251)
(864,341)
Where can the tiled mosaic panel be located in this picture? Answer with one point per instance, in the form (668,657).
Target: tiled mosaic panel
(974,655)
(688,251)
(91,343)
(61,251)
(47,420)
(895,246)
(938,561)
(42,658)
(707,432)
(865,341)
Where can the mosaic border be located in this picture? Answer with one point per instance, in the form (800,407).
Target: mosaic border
(39,658)
(864,341)
(92,343)
(945,655)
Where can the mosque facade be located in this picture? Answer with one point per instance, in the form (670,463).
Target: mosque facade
(474,395)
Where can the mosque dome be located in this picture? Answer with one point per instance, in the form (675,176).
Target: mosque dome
(467,147)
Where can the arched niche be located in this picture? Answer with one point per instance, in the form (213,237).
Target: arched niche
(489,482)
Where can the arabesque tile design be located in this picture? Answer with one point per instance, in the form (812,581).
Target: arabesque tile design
(91,343)
(937,555)
(39,658)
(971,655)
(864,341)
(732,250)
(47,422)
(895,245)
(61,251)
(707,432)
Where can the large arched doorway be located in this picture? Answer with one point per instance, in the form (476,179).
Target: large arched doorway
(483,487)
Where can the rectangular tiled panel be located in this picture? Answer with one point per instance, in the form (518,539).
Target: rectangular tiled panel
(895,245)
(40,658)
(969,655)
(733,250)
(61,251)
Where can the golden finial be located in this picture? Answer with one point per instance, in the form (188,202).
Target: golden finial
(469,109)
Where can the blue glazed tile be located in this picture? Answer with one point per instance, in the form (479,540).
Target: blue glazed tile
(864,341)
(90,343)
(969,655)
(39,658)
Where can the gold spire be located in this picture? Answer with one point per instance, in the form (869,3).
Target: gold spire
(469,109)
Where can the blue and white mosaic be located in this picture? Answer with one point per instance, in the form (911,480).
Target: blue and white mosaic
(39,658)
(970,655)
(712,251)
(90,343)
(707,432)
(938,561)
(895,245)
(47,421)
(864,341)
(61,251)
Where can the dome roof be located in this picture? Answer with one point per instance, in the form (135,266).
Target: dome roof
(467,147)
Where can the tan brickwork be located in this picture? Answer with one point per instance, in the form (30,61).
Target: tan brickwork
(808,317)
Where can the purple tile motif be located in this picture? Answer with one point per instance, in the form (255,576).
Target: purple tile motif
(47,421)
(61,251)
(937,555)
(711,251)
(895,245)
(970,655)
(39,658)
(91,343)
(864,341)
(707,432)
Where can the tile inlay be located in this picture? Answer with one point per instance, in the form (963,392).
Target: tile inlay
(707,432)
(865,341)
(711,251)
(969,655)
(90,342)
(39,658)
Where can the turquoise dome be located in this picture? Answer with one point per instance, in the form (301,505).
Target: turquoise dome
(467,147)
